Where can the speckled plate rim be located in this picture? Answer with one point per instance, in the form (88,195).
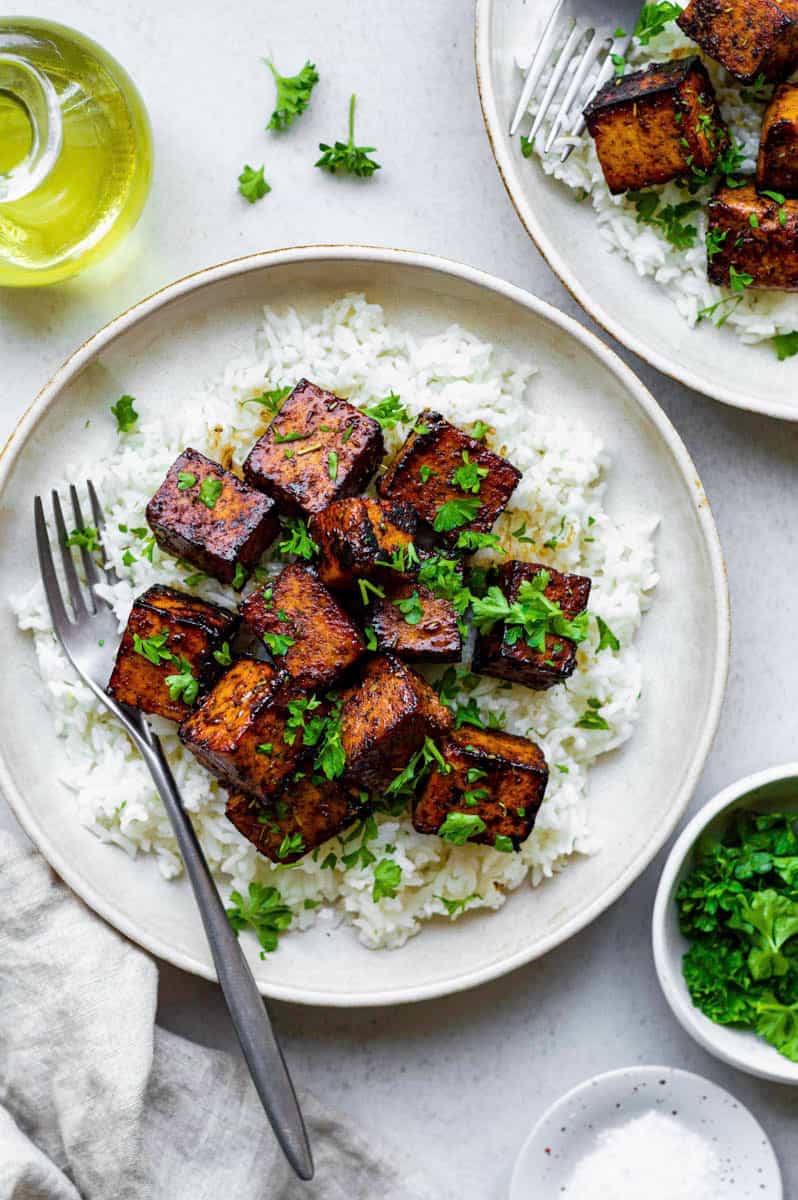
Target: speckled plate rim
(583,296)
(94,346)
(519,1181)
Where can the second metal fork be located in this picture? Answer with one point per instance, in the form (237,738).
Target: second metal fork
(580,45)
(90,638)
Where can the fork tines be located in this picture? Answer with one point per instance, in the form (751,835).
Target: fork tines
(84,601)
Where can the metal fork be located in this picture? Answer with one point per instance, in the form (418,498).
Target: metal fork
(578,43)
(90,638)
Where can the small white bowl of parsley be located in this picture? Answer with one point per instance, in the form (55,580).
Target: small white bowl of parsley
(725,925)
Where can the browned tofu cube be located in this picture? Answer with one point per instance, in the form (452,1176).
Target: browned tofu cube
(767,251)
(777,164)
(167,629)
(453,481)
(657,124)
(208,517)
(750,38)
(414,623)
(496,777)
(242,731)
(304,627)
(360,538)
(385,719)
(289,827)
(317,449)
(502,653)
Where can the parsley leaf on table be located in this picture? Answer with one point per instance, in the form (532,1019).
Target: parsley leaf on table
(293,94)
(346,156)
(252,185)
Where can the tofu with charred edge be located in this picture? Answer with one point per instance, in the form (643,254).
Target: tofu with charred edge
(194,630)
(358,538)
(385,719)
(289,827)
(750,38)
(239,731)
(317,449)
(296,606)
(215,529)
(422,475)
(498,777)
(495,655)
(777,163)
(767,251)
(655,125)
(433,634)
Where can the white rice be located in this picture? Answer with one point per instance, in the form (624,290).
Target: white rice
(755,316)
(350,348)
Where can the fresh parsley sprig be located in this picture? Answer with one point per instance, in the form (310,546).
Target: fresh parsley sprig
(346,157)
(293,94)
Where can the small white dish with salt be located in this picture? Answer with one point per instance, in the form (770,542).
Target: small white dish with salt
(652,1132)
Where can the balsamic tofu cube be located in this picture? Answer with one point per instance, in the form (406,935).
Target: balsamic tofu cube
(289,827)
(385,719)
(317,449)
(304,627)
(498,777)
(359,539)
(437,470)
(208,517)
(415,624)
(500,654)
(750,38)
(767,250)
(241,731)
(777,164)
(165,630)
(655,125)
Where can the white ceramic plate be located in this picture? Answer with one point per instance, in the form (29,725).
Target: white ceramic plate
(772,790)
(634,310)
(169,343)
(567,1132)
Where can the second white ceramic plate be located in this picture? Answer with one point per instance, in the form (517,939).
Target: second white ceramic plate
(169,344)
(634,310)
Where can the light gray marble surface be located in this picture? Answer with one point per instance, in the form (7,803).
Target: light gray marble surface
(456,1082)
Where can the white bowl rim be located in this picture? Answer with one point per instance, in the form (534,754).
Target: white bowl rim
(637,1070)
(197,280)
(686,1013)
(547,248)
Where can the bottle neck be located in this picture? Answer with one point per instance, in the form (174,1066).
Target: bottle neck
(37,97)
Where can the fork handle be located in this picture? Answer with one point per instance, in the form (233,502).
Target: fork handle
(247,1008)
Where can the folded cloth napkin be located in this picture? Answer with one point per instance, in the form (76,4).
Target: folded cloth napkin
(98,1103)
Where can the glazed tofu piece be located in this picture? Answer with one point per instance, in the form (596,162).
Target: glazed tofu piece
(241,731)
(304,628)
(496,652)
(658,124)
(750,38)
(167,629)
(767,251)
(498,777)
(209,518)
(289,827)
(777,164)
(438,468)
(415,624)
(359,538)
(384,720)
(317,449)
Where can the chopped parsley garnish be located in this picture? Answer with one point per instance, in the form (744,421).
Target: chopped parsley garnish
(263,911)
(252,185)
(346,156)
(607,639)
(185,480)
(271,400)
(505,844)
(532,615)
(756,93)
(739,280)
(182,685)
(387,878)
(591,717)
(293,436)
(459,827)
(520,534)
(278,643)
(299,542)
(264,748)
(468,714)
(125,413)
(455,907)
(469,539)
(473,797)
(402,558)
(653,19)
(153,648)
(332,465)
(292,843)
(777,196)
(785,344)
(411,608)
(371,638)
(454,513)
(444,577)
(361,856)
(469,477)
(406,782)
(669,218)
(714,240)
(331,756)
(619,65)
(223,656)
(480,430)
(210,491)
(388,412)
(239,577)
(293,94)
(299,721)
(365,587)
(87,538)
(425,472)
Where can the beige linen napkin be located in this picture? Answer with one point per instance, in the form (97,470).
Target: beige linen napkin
(98,1103)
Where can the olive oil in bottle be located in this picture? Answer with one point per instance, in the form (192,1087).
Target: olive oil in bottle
(75,152)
